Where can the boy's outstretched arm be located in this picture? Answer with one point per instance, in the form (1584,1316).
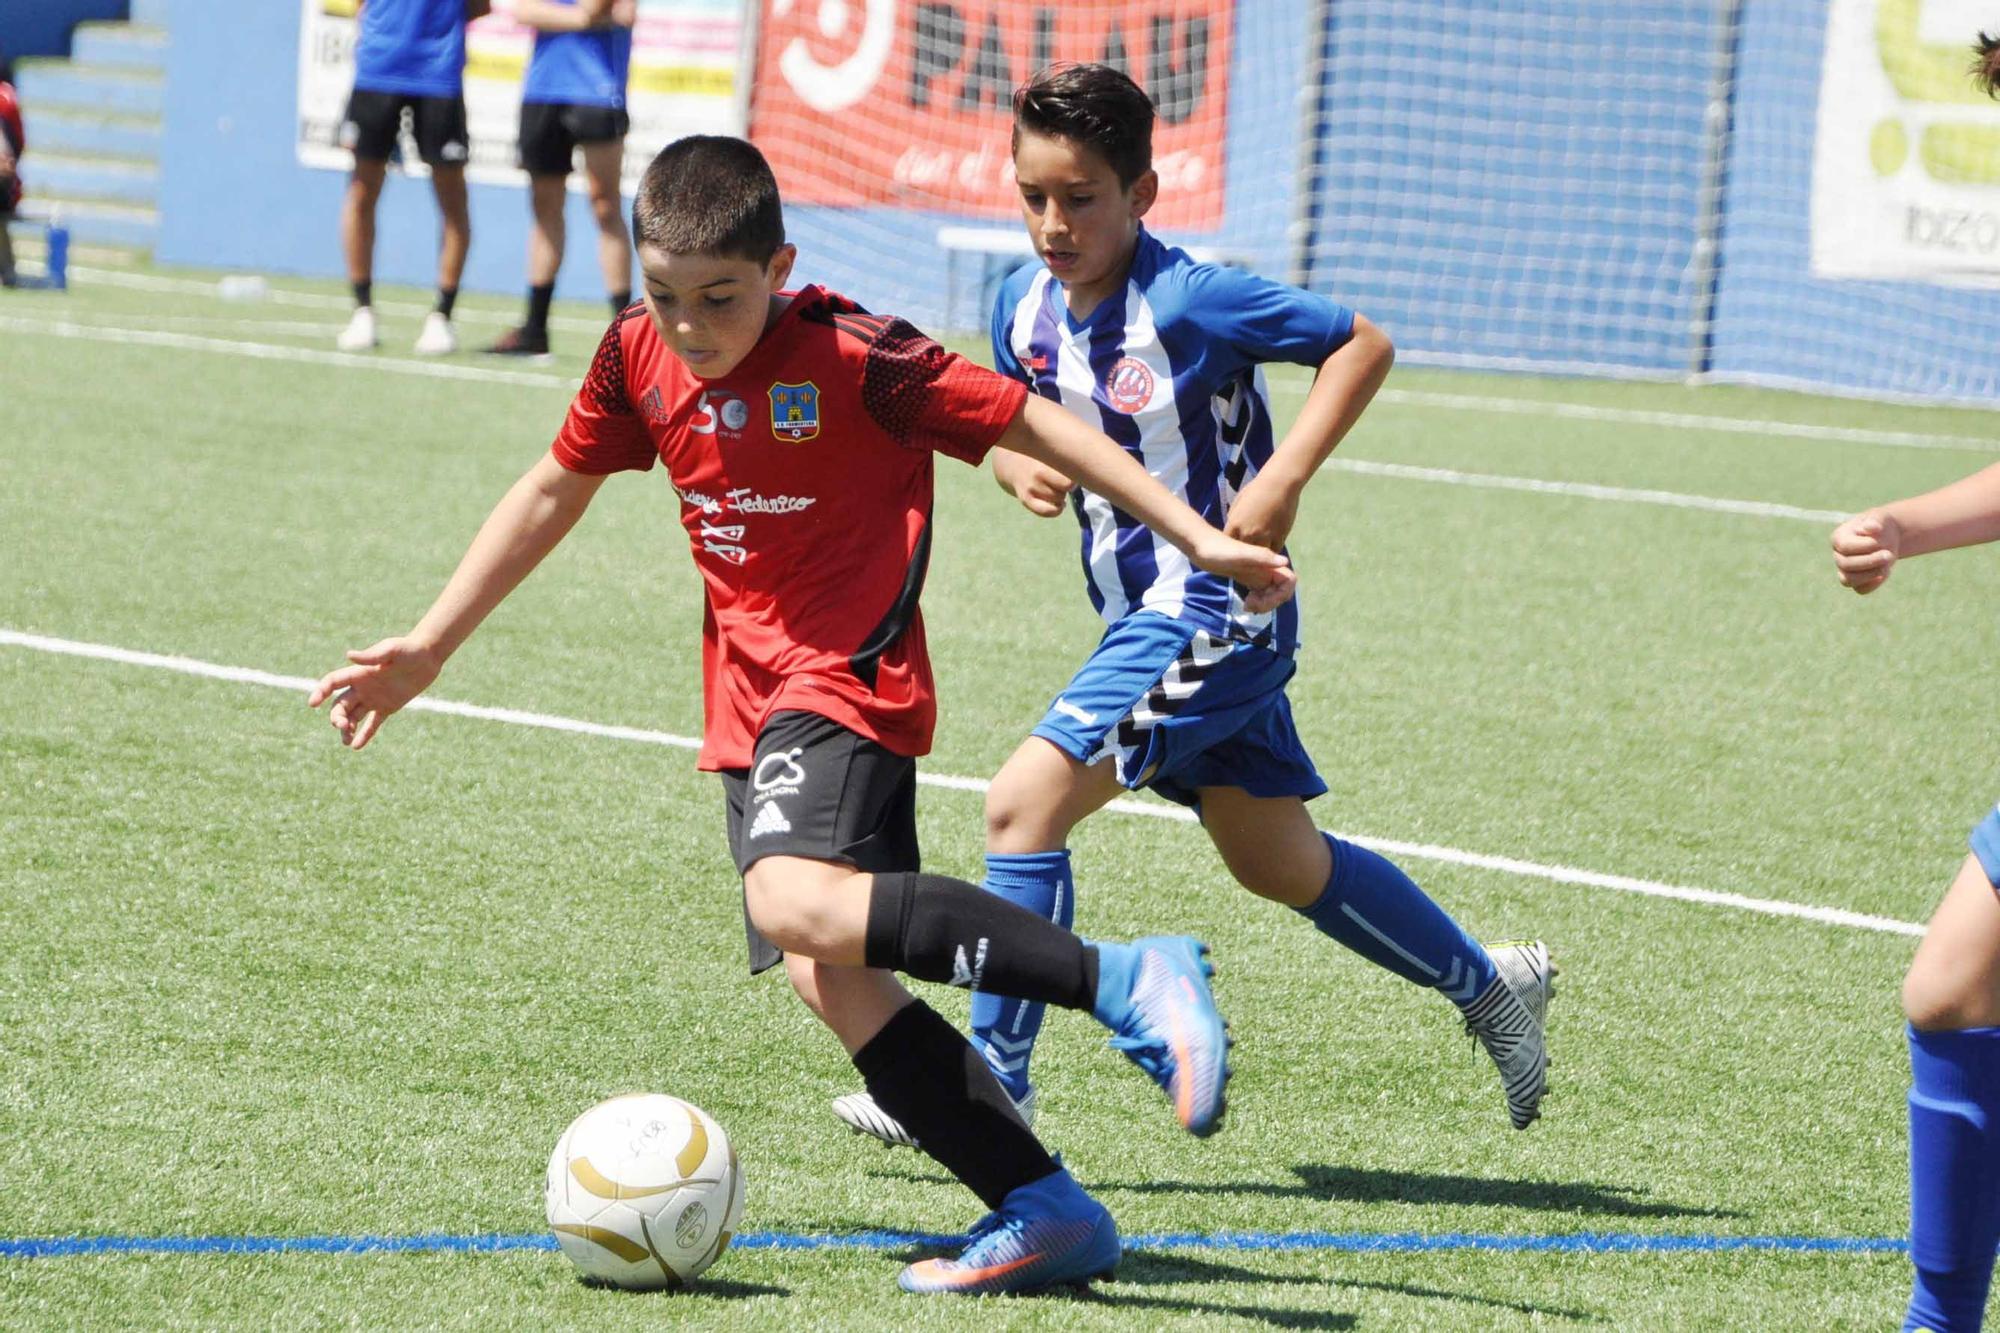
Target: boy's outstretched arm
(534,515)
(1048,434)
(1263,513)
(1965,513)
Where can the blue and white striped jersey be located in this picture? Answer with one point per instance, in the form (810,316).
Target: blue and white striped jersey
(1173,373)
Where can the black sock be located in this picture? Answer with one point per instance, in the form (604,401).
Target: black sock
(940,929)
(364,293)
(922,1071)
(538,305)
(447,298)
(619,300)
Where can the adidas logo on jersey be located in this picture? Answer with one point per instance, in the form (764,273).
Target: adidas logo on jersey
(770,819)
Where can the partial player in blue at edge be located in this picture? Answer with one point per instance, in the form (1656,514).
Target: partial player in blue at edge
(1185,693)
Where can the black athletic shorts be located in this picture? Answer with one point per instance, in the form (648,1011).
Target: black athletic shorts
(374,122)
(550,132)
(817,790)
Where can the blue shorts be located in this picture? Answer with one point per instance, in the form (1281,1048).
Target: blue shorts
(1985,841)
(1178,709)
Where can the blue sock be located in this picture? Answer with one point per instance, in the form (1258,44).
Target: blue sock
(1004,1029)
(1954,1175)
(1376,910)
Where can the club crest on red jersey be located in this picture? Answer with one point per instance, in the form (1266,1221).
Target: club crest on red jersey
(1129,386)
(795,411)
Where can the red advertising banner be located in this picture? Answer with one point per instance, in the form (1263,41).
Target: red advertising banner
(886,102)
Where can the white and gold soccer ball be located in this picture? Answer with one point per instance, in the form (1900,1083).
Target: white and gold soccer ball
(643,1191)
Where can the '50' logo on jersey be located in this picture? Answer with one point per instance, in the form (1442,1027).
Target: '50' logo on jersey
(719,408)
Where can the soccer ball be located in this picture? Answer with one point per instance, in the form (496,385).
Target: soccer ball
(643,1191)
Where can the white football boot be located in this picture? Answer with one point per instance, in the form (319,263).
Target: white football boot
(438,337)
(1511,1021)
(858,1111)
(359,335)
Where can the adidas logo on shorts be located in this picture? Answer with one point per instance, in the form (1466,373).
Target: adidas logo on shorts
(770,819)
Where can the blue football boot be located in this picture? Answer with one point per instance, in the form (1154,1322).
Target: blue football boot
(1046,1234)
(1154,996)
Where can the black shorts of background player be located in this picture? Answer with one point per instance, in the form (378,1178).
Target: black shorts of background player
(592,34)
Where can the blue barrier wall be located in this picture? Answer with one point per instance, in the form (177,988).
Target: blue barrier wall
(42,27)
(233,195)
(1774,321)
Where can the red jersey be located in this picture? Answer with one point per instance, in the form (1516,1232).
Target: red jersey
(16,138)
(804,478)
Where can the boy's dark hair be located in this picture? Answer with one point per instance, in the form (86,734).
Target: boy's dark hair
(1986,64)
(709,194)
(1092,105)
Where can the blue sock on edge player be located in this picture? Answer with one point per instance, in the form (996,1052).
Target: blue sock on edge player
(1376,910)
(1954,1175)
(1004,1029)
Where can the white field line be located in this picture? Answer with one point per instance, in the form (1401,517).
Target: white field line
(1459,402)
(1420,851)
(1588,491)
(153,282)
(442,370)
(1632,416)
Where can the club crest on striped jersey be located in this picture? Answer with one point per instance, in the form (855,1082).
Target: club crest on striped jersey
(1128,388)
(795,411)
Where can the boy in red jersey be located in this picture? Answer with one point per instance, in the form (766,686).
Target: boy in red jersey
(798,432)
(13,142)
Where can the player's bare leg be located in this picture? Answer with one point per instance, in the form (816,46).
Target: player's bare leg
(1270,844)
(547,197)
(1040,794)
(357,245)
(548,194)
(454,243)
(1954,980)
(602,165)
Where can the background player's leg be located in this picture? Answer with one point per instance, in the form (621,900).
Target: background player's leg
(454,243)
(1952,999)
(602,163)
(357,245)
(1038,796)
(546,197)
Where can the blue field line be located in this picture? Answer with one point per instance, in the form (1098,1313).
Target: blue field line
(1354,1242)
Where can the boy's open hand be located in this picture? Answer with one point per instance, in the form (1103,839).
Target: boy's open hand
(1039,487)
(1865,548)
(381,680)
(1266,574)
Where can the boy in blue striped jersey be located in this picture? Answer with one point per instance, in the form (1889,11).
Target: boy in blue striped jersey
(1185,693)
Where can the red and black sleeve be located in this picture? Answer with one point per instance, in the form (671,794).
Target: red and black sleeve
(926,397)
(603,434)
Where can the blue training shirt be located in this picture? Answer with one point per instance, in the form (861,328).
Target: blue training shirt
(579,68)
(413,47)
(1173,372)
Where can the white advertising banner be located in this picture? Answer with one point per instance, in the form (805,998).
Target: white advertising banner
(1906,161)
(688,77)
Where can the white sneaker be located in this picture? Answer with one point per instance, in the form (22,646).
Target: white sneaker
(858,1111)
(1511,1021)
(359,335)
(438,337)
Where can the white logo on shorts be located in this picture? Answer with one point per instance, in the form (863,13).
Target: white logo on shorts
(770,775)
(770,819)
(1068,709)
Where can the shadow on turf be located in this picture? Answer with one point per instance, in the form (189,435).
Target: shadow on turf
(1345,1184)
(702,1288)
(1143,1269)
